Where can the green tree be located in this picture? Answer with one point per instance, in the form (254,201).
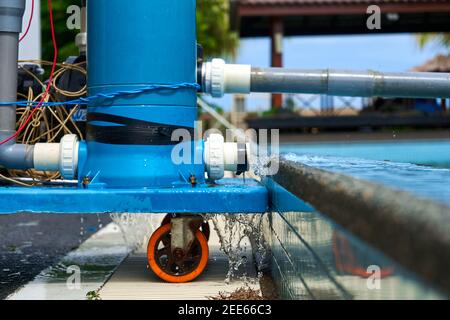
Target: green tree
(441,39)
(213,29)
(64,36)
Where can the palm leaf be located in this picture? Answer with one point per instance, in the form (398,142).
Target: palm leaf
(439,39)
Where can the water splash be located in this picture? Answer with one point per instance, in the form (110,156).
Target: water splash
(81,230)
(99,222)
(240,236)
(235,231)
(136,228)
(263,166)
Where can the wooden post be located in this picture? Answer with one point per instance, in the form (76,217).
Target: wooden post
(277,33)
(444,104)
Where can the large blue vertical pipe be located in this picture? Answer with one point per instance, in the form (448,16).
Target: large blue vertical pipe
(133,44)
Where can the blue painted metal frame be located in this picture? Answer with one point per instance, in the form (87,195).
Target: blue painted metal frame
(282,200)
(228,196)
(132,46)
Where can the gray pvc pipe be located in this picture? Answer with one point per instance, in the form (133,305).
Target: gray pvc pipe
(12,155)
(11,13)
(350,83)
(17,156)
(8,81)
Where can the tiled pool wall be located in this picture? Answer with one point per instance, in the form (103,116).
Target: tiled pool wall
(313,258)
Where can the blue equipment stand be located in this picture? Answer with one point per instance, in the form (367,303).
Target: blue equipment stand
(126,156)
(227,196)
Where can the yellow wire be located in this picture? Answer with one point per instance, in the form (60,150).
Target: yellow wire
(47,123)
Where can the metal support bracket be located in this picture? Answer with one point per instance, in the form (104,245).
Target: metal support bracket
(183,234)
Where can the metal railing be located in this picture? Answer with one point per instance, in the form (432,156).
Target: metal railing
(325,104)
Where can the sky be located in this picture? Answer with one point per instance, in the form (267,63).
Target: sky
(392,52)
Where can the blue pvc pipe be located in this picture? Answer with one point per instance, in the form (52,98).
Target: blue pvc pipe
(132,45)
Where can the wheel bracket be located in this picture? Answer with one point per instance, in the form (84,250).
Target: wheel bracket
(183,234)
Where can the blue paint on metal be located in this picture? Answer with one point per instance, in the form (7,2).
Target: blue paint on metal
(228,196)
(131,47)
(129,166)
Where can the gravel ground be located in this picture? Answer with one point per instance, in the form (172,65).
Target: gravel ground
(29,243)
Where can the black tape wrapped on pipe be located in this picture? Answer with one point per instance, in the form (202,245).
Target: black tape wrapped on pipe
(128,131)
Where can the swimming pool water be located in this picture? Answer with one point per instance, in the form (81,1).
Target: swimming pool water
(424,152)
(358,160)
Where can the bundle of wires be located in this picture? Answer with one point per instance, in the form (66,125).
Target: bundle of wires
(47,124)
(37,123)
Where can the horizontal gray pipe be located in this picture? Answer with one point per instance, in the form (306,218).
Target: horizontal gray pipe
(351,83)
(16,156)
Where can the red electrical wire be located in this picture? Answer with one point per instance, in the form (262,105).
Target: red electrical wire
(29,22)
(49,84)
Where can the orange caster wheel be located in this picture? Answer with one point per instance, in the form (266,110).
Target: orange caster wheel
(174,269)
(204,227)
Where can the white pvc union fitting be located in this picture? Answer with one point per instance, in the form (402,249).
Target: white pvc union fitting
(68,156)
(62,157)
(221,156)
(214,156)
(221,78)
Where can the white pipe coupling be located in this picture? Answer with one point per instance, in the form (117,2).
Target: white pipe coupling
(221,156)
(62,157)
(220,78)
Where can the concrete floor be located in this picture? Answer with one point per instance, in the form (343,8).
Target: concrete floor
(107,268)
(95,260)
(30,243)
